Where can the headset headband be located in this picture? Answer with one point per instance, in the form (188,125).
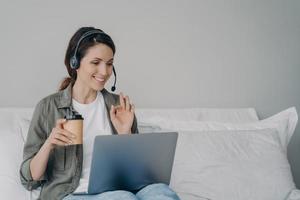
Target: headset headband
(84,36)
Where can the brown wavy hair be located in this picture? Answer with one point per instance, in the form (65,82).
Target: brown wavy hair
(84,45)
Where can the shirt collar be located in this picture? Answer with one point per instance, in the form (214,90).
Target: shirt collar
(65,100)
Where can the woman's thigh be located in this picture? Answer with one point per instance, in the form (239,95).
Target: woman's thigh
(112,195)
(158,191)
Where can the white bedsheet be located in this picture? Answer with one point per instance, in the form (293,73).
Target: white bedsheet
(294,195)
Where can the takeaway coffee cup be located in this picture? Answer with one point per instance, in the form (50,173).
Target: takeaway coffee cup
(74,124)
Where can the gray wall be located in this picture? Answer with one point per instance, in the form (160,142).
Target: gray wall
(169,54)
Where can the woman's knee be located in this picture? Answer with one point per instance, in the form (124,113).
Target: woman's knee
(157,191)
(111,195)
(116,195)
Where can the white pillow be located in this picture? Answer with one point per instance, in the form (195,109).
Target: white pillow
(290,115)
(24,127)
(285,122)
(294,195)
(233,115)
(235,165)
(11,188)
(11,151)
(148,128)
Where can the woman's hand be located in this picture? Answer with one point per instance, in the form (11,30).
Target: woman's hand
(122,115)
(59,136)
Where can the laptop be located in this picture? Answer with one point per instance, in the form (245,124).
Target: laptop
(131,161)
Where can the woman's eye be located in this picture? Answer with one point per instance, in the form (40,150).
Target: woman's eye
(97,63)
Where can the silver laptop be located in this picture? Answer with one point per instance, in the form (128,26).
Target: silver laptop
(131,162)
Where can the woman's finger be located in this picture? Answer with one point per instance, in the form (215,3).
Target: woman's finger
(66,133)
(132,108)
(127,103)
(63,138)
(59,142)
(117,107)
(60,122)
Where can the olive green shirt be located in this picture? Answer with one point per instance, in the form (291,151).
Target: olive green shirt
(64,166)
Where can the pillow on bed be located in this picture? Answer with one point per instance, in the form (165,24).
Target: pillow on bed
(148,128)
(233,115)
(285,122)
(231,165)
(11,150)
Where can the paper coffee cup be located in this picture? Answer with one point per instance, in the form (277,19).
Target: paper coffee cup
(74,124)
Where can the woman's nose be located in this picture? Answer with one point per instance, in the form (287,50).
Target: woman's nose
(103,68)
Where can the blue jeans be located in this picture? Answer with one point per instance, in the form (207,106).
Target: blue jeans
(158,191)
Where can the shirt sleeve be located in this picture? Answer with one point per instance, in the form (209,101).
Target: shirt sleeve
(134,127)
(37,135)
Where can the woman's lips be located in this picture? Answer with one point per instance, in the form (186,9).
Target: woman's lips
(99,79)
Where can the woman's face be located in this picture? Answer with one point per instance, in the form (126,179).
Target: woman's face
(96,66)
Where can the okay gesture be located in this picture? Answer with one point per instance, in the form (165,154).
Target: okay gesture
(122,115)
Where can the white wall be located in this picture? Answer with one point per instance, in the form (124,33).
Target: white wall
(169,53)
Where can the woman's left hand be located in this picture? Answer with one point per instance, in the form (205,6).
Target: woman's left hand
(122,115)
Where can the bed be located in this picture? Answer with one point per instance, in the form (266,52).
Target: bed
(221,153)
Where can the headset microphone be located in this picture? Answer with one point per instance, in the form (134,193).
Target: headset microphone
(113,88)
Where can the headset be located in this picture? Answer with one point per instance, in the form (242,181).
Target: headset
(74,62)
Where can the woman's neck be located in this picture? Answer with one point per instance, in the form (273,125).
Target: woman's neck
(83,94)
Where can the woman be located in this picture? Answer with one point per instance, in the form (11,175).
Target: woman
(50,159)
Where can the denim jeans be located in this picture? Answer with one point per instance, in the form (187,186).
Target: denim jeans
(158,191)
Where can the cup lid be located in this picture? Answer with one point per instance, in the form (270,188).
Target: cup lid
(73,114)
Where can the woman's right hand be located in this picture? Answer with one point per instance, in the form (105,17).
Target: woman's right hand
(60,136)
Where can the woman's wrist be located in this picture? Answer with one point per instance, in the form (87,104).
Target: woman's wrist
(48,145)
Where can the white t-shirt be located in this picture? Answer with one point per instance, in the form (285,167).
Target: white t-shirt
(95,122)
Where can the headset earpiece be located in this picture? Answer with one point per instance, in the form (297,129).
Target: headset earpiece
(74,63)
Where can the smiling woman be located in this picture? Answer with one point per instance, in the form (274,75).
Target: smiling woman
(50,158)
(90,52)
(94,71)
(99,68)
